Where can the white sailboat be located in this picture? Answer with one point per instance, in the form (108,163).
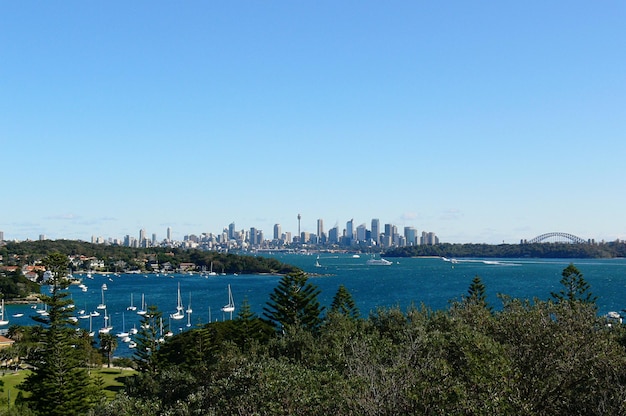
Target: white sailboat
(142,311)
(106,328)
(132,307)
(102,304)
(180,314)
(91,332)
(211,272)
(3,321)
(123,334)
(189,311)
(230,306)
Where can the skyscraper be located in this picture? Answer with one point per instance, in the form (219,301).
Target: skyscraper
(376,230)
(410,234)
(350,231)
(361,233)
(277,232)
(142,236)
(231,231)
(253,236)
(169,233)
(1,236)
(320,230)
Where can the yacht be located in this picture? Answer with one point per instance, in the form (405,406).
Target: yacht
(378,262)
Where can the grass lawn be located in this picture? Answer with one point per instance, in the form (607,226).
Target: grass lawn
(113,382)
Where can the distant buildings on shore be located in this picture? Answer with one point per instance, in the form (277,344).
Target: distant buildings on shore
(348,237)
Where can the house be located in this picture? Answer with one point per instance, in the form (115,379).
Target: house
(5,342)
(187,266)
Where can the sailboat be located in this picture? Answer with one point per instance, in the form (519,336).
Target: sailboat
(91,332)
(123,334)
(211,272)
(106,328)
(142,311)
(131,307)
(3,321)
(230,306)
(102,305)
(189,311)
(180,314)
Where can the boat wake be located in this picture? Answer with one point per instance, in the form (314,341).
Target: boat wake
(481,261)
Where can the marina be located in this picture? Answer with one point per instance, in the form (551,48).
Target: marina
(407,281)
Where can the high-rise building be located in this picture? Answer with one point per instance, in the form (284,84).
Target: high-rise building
(154,240)
(410,234)
(169,233)
(376,230)
(350,229)
(1,236)
(277,232)
(429,238)
(42,237)
(320,231)
(333,235)
(231,231)
(361,233)
(253,237)
(142,237)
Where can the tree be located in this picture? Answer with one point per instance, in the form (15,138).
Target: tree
(343,303)
(575,287)
(248,328)
(59,385)
(294,302)
(108,344)
(149,341)
(476,293)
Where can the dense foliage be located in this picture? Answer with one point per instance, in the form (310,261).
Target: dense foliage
(529,357)
(59,383)
(538,250)
(14,285)
(119,258)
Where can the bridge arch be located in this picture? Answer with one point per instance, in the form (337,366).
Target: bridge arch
(566,236)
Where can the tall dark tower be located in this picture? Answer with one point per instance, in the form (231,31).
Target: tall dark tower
(299,217)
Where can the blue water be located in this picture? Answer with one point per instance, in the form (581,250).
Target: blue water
(407,281)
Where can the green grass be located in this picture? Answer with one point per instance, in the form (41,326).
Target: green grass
(113,382)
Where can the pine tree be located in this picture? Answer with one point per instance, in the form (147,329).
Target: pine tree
(248,327)
(294,302)
(477,294)
(149,339)
(576,288)
(343,303)
(59,384)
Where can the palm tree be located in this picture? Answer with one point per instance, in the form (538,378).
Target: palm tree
(108,344)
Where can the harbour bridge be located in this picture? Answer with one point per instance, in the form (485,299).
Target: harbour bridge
(556,237)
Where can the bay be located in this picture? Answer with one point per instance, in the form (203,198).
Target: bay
(408,281)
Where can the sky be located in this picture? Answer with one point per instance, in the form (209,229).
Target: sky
(482,121)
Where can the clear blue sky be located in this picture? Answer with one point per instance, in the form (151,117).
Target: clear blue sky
(482,121)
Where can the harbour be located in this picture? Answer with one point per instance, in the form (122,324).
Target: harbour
(433,282)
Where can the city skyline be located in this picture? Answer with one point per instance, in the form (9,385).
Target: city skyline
(485,122)
(322,235)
